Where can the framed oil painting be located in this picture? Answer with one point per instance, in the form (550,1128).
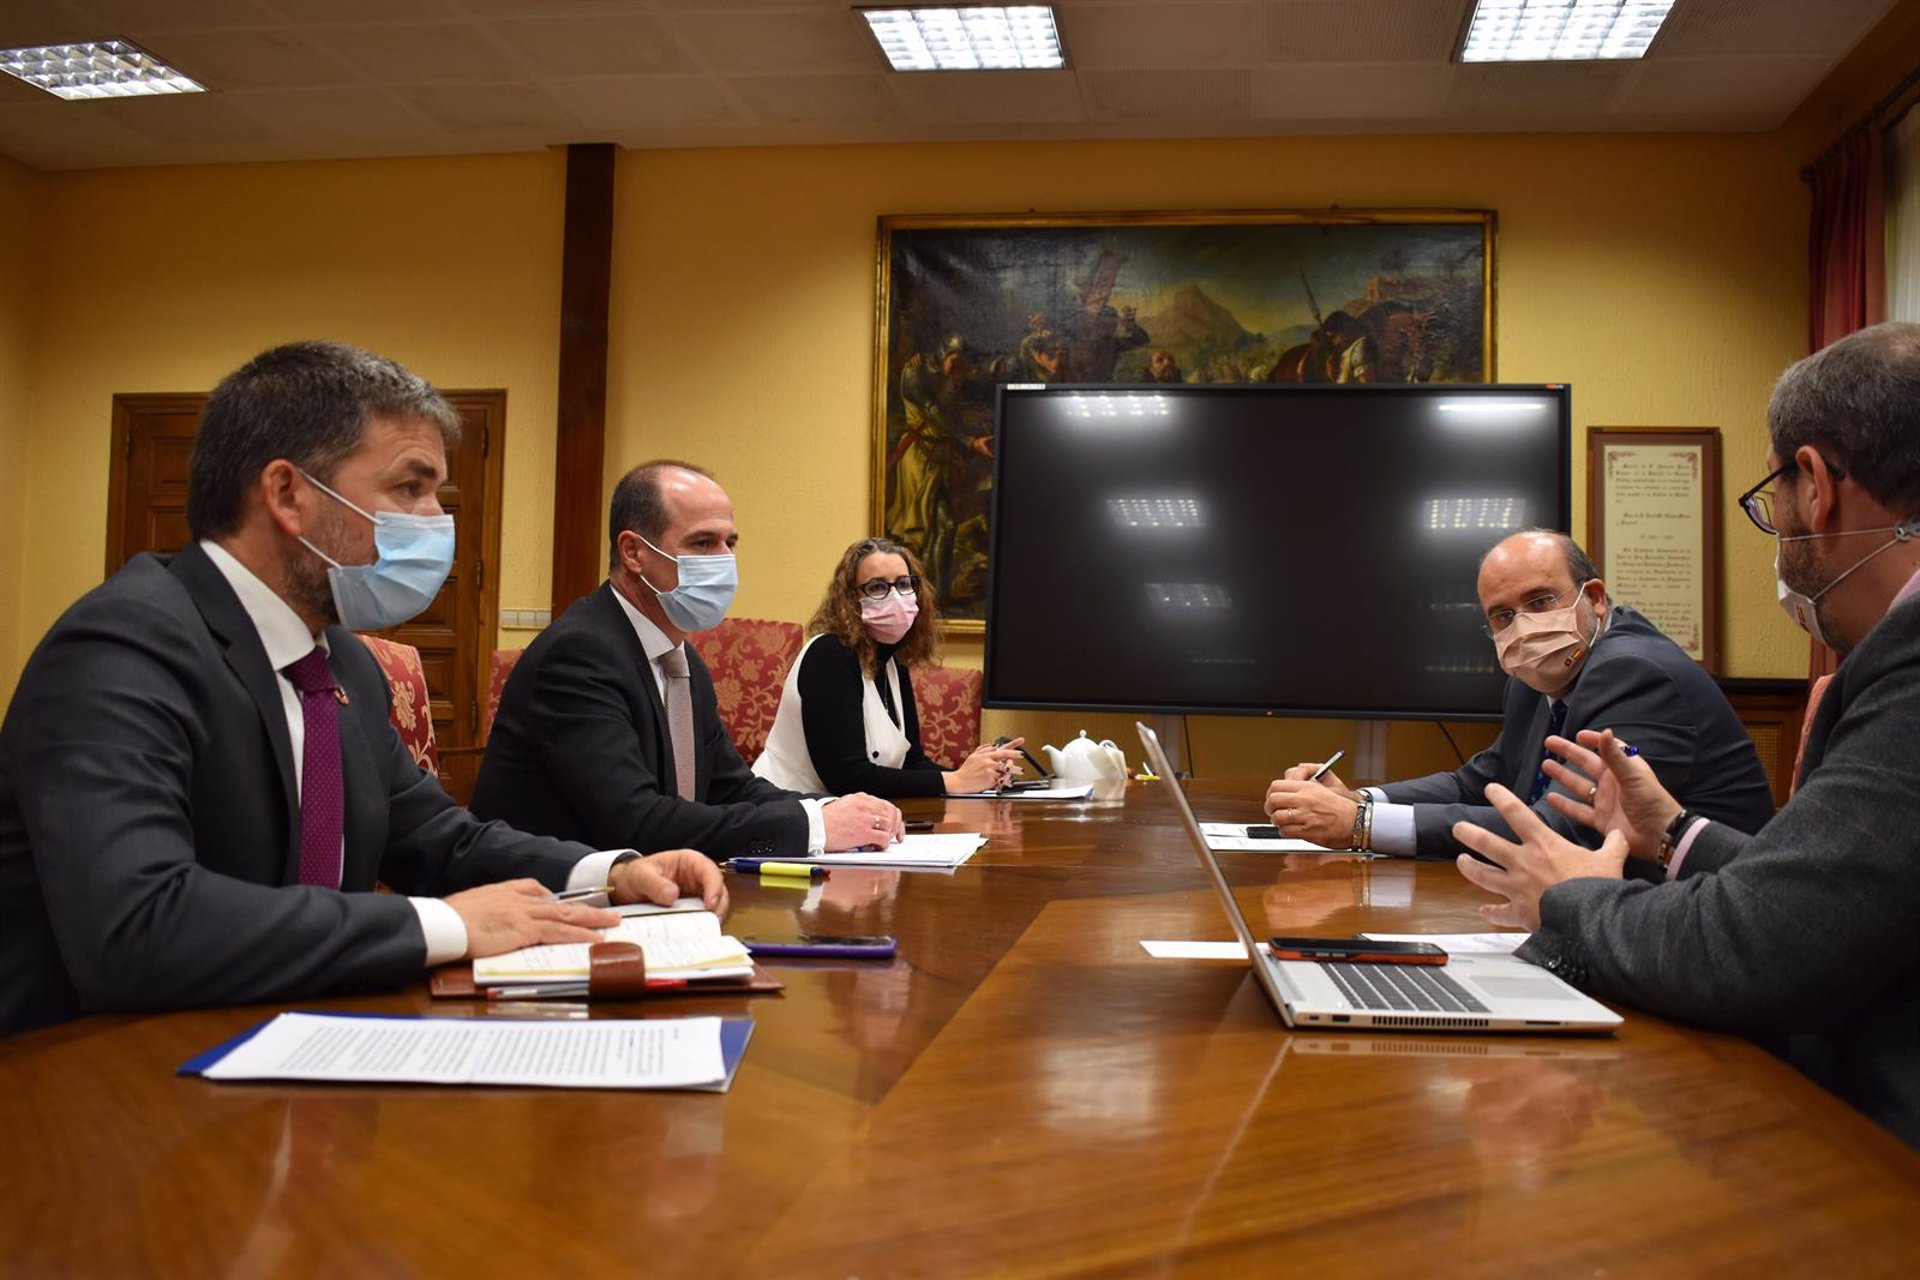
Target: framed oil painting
(967,303)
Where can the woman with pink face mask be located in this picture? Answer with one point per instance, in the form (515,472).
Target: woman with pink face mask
(847,720)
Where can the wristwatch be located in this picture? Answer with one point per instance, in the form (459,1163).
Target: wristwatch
(1671,836)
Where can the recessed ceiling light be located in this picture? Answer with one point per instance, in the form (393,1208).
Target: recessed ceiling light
(970,38)
(1562,30)
(97,69)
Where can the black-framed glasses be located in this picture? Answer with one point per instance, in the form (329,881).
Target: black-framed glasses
(1758,503)
(1500,619)
(878,588)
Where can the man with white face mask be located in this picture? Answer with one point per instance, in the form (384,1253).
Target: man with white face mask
(1804,931)
(609,721)
(1577,661)
(199,784)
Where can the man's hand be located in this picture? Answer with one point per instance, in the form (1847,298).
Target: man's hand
(1541,859)
(520,913)
(1330,780)
(664,878)
(856,820)
(1310,811)
(1628,798)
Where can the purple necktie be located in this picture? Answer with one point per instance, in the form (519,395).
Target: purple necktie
(322,788)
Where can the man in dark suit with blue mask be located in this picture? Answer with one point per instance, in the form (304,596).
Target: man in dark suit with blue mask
(199,784)
(609,729)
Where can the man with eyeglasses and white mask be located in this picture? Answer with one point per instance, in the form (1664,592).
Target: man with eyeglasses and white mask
(1576,661)
(1803,933)
(199,783)
(609,722)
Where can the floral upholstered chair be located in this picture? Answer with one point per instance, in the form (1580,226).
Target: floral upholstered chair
(749,658)
(498,670)
(411,713)
(948,699)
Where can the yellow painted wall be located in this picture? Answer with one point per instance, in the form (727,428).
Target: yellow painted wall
(1663,276)
(170,278)
(20,200)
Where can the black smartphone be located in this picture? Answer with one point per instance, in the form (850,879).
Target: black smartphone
(1025,754)
(1263,833)
(1356,951)
(873,947)
(922,825)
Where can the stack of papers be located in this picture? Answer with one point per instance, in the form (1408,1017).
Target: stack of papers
(931,849)
(1058,791)
(1233,837)
(679,943)
(656,1053)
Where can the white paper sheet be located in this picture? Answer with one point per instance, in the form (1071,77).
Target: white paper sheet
(1058,791)
(1232,837)
(918,849)
(1459,944)
(657,1053)
(1173,950)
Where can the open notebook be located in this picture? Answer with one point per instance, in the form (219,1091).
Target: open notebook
(681,943)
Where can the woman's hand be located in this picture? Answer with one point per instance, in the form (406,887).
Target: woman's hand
(989,767)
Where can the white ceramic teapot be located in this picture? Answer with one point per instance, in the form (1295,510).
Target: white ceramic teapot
(1083,760)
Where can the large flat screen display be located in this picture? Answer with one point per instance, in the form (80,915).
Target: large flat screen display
(1307,551)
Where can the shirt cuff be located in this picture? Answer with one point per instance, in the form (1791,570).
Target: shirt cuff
(1379,794)
(445,931)
(1686,843)
(816,826)
(1392,827)
(593,871)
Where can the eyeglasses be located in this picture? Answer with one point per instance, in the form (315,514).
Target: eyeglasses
(1500,619)
(1759,504)
(878,588)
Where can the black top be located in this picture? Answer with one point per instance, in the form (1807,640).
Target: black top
(832,713)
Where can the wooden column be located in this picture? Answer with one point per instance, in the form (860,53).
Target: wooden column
(580,443)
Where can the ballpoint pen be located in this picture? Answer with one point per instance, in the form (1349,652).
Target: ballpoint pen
(1332,760)
(576,895)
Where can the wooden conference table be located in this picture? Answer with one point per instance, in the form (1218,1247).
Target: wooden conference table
(1022,1092)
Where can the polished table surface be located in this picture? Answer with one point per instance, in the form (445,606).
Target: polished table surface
(1022,1092)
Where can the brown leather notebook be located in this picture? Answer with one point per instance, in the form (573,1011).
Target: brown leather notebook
(618,972)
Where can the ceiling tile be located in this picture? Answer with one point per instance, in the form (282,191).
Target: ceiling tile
(51,126)
(807,99)
(589,46)
(12,90)
(1121,37)
(642,102)
(789,43)
(251,59)
(322,114)
(551,8)
(135,17)
(471,108)
(1298,91)
(1016,96)
(1362,30)
(188,117)
(362,10)
(1792,27)
(1760,85)
(419,52)
(31,22)
(1520,91)
(1169,95)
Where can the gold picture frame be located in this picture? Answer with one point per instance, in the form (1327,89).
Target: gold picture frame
(964,303)
(1654,528)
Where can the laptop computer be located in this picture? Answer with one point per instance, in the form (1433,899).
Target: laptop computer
(1468,993)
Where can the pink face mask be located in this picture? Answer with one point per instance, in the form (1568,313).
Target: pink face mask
(891,617)
(1545,651)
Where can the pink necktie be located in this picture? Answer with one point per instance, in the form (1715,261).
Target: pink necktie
(673,664)
(322,786)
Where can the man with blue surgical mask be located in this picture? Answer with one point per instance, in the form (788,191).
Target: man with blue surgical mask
(609,729)
(199,784)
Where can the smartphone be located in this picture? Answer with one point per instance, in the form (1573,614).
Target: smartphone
(1025,754)
(875,947)
(922,826)
(1263,833)
(1356,951)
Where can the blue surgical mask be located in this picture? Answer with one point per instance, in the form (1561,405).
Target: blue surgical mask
(707,584)
(415,554)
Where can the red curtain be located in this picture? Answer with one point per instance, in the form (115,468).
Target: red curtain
(1847,259)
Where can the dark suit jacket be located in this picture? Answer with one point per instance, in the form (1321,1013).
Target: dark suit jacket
(149,838)
(1642,686)
(1805,929)
(579,750)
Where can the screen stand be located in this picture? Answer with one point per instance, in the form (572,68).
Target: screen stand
(1368,760)
(1173,739)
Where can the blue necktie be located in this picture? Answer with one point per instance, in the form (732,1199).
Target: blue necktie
(1556,720)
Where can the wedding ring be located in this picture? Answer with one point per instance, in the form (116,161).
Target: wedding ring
(878,822)
(1593,793)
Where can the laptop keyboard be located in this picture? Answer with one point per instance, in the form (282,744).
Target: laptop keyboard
(1396,988)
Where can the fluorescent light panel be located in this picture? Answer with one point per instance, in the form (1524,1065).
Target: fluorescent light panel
(96,69)
(974,38)
(1562,30)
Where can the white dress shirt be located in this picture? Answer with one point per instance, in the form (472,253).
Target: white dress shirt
(654,643)
(287,640)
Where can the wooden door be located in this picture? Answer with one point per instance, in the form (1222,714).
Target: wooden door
(147,511)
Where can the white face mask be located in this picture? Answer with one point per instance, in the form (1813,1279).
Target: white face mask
(1800,606)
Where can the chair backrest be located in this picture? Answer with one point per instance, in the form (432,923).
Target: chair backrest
(948,700)
(749,658)
(410,711)
(498,669)
(1806,725)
